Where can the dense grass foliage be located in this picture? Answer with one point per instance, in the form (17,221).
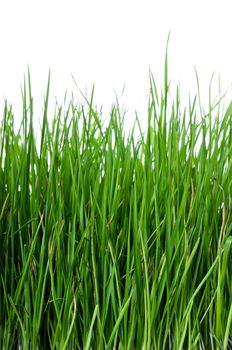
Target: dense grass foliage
(112,241)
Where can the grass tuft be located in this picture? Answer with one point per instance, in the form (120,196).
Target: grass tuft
(111,241)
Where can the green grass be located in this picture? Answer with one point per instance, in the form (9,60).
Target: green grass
(108,241)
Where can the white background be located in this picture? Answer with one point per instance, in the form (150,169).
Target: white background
(112,44)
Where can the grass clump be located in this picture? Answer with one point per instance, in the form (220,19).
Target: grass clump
(108,241)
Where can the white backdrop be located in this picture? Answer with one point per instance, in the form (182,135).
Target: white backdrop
(112,44)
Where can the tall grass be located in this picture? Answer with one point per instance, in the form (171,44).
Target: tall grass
(108,241)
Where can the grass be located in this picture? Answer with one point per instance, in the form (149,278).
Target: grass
(108,241)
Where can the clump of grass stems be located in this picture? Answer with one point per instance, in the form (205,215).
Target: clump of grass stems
(108,242)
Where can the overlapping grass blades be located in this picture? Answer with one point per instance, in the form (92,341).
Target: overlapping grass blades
(108,241)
